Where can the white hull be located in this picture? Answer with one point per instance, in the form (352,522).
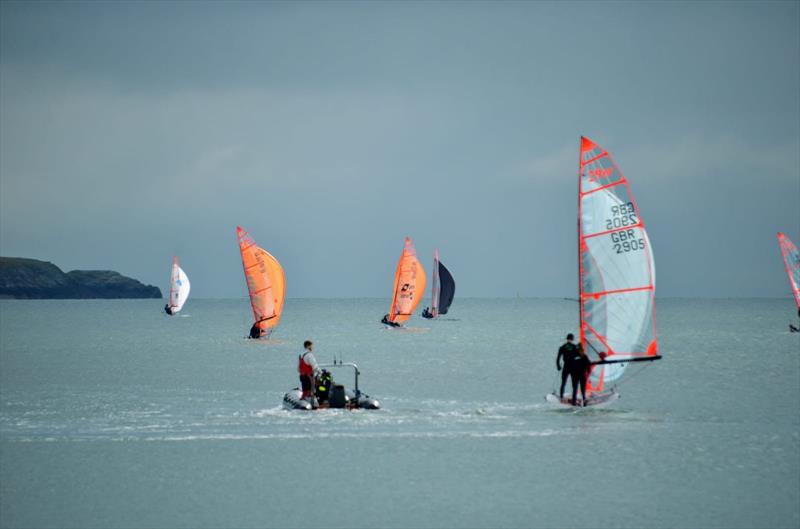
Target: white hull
(594,401)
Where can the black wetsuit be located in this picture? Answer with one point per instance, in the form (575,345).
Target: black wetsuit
(167,309)
(427,314)
(388,322)
(580,372)
(255,332)
(569,352)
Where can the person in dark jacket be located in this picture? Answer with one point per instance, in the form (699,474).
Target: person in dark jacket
(568,352)
(581,367)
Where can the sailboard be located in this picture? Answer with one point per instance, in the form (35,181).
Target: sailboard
(791,260)
(179,288)
(616,274)
(409,286)
(266,284)
(443,289)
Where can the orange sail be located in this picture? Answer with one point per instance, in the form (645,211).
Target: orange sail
(266,283)
(409,285)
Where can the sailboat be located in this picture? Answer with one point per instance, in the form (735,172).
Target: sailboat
(266,285)
(409,285)
(616,276)
(443,289)
(179,288)
(791,260)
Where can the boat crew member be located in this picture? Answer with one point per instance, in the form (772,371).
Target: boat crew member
(581,367)
(309,370)
(167,309)
(427,313)
(569,352)
(255,331)
(390,323)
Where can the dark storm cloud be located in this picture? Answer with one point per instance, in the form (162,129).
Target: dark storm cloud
(132,131)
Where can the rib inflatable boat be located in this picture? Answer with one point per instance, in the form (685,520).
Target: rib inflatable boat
(330,395)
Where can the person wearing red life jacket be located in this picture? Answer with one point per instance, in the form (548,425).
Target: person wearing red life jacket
(309,370)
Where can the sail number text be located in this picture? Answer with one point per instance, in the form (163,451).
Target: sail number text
(627,241)
(621,216)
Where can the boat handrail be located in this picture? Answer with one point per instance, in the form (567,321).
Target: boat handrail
(356,372)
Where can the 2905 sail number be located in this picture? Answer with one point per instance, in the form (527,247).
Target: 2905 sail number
(627,241)
(621,216)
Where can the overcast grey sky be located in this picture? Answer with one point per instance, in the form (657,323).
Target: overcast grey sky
(130,132)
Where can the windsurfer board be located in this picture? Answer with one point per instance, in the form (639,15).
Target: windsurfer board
(594,401)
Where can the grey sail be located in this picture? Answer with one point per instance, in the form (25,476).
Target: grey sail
(447,289)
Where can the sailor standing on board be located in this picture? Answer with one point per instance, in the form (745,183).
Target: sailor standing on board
(569,352)
(581,367)
(308,370)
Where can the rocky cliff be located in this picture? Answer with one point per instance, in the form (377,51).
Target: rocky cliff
(32,279)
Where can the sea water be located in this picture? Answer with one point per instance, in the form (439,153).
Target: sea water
(114,415)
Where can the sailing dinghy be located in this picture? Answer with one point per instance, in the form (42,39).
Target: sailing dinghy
(791,260)
(616,276)
(409,285)
(443,289)
(266,285)
(179,288)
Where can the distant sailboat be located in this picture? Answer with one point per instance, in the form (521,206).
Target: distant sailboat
(616,275)
(409,286)
(791,260)
(179,288)
(266,285)
(443,289)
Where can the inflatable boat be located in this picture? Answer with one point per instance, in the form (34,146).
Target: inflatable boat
(329,395)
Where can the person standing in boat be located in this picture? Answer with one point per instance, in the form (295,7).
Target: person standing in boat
(569,353)
(309,370)
(581,367)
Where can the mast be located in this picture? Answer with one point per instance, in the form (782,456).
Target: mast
(435,285)
(173,276)
(580,257)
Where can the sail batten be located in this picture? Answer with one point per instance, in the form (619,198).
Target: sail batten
(266,282)
(616,270)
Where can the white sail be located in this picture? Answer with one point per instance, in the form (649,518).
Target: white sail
(617,270)
(179,288)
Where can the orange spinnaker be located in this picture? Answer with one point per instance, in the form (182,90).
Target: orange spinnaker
(266,282)
(409,284)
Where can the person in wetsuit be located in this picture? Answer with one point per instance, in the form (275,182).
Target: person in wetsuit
(569,353)
(255,331)
(792,328)
(387,321)
(167,309)
(581,367)
(427,313)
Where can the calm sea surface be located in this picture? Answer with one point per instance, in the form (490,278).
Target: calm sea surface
(115,415)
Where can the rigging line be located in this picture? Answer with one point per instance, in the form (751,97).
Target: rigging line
(635,373)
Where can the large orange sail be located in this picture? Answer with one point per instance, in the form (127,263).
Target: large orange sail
(266,282)
(409,285)
(616,270)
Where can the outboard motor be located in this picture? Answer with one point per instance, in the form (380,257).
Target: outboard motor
(324,384)
(338,398)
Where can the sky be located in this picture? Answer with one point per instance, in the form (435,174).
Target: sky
(132,132)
